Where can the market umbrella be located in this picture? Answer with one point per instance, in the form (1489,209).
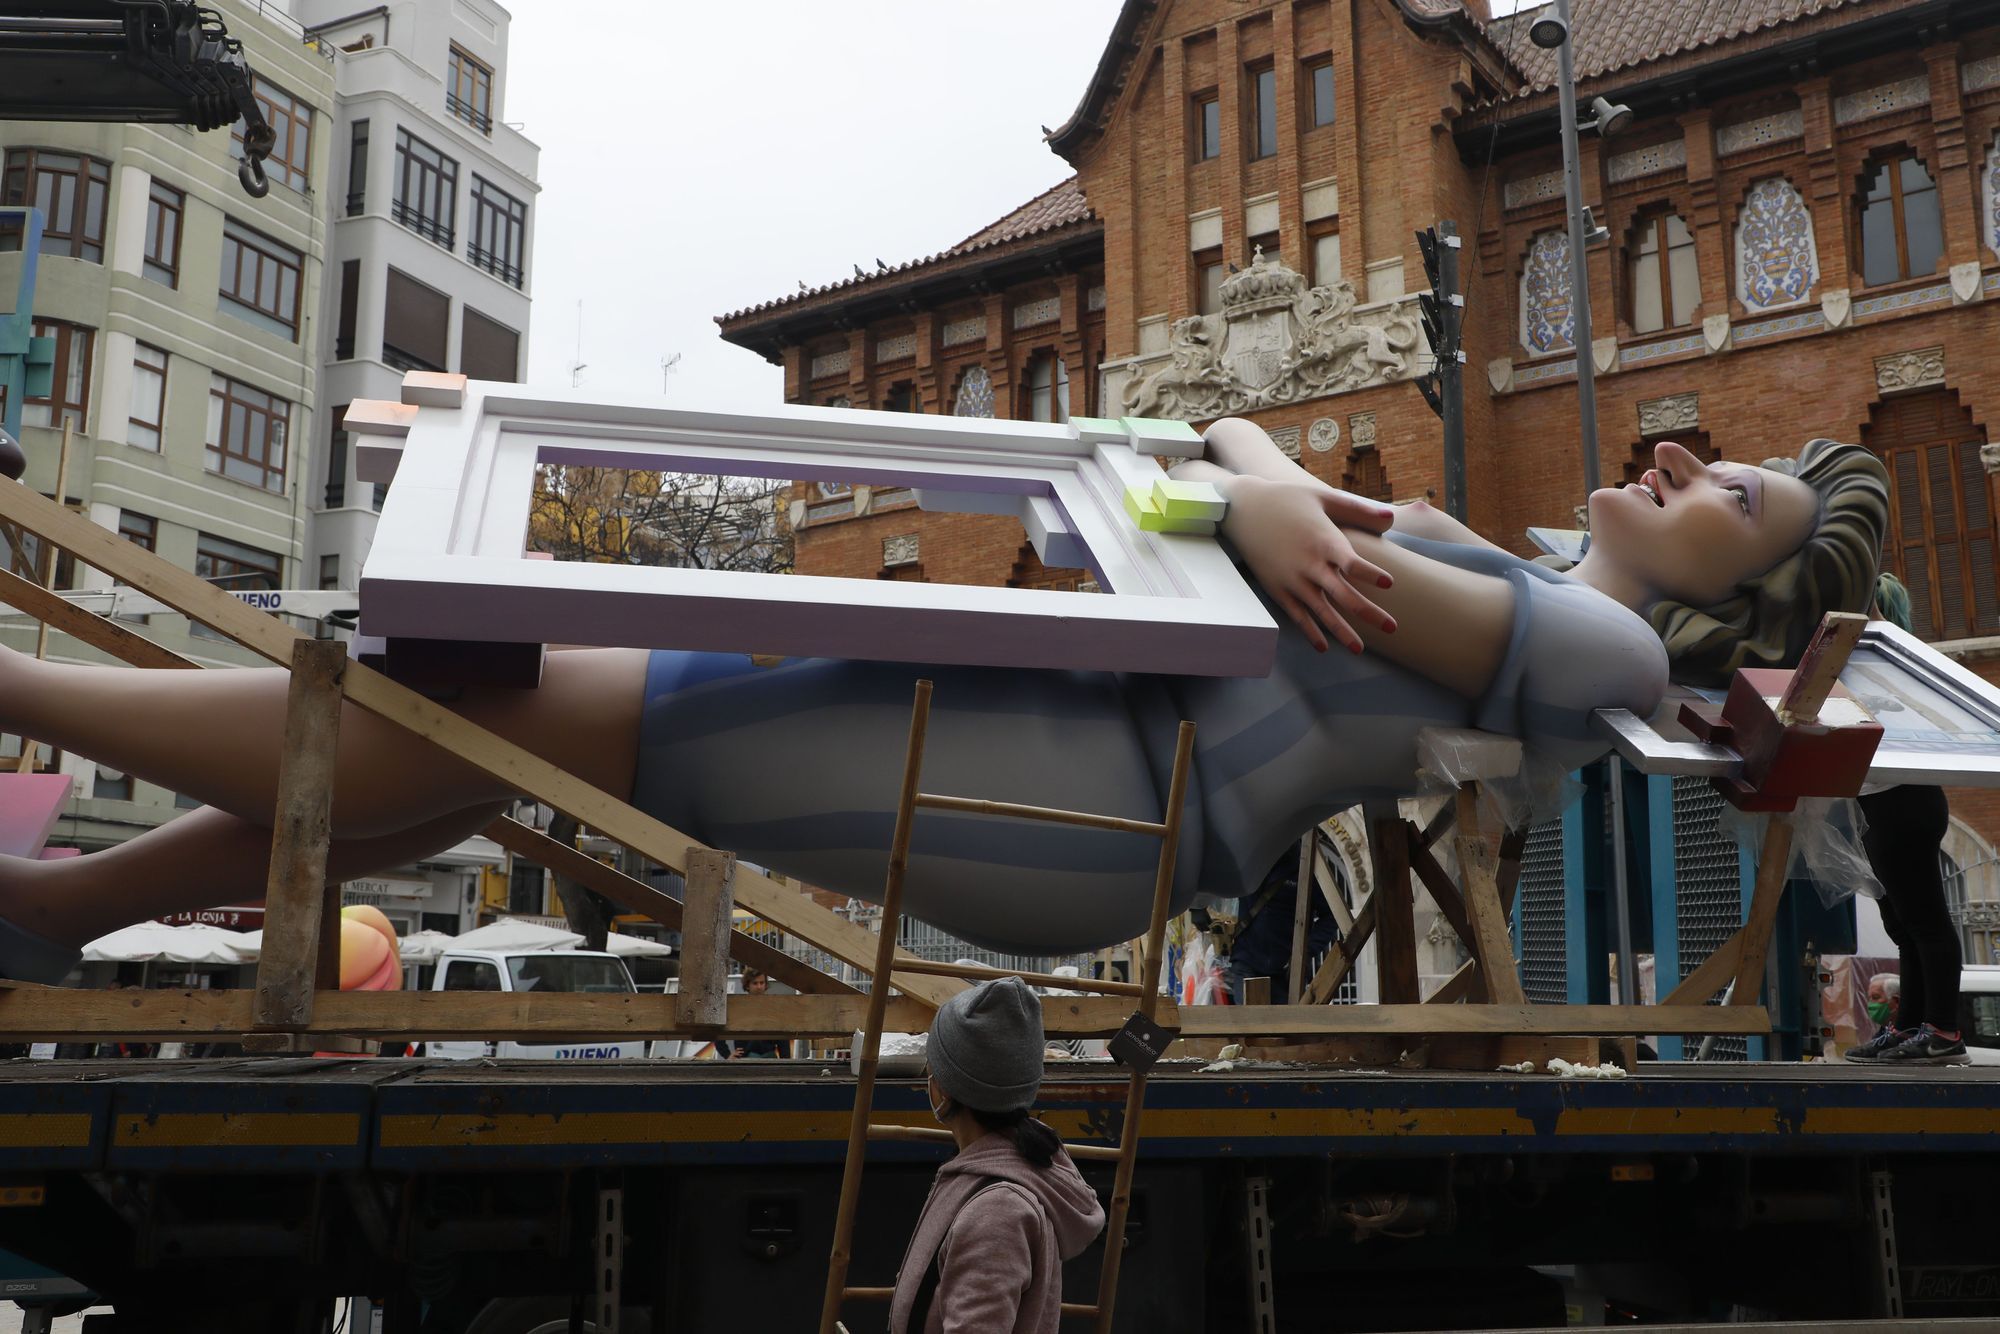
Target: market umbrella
(518,936)
(635,947)
(149,942)
(425,946)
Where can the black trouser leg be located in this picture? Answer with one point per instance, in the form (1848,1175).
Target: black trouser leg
(1906,829)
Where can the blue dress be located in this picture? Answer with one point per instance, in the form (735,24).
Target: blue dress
(796,767)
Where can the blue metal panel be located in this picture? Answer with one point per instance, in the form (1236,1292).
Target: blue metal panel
(1659,879)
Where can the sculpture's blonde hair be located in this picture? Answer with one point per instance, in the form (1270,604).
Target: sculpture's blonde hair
(1767,621)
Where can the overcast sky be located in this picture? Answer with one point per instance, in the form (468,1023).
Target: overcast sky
(697,159)
(700,158)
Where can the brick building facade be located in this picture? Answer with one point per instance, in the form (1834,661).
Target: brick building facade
(1803,223)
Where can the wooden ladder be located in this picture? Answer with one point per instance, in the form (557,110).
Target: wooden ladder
(1167,830)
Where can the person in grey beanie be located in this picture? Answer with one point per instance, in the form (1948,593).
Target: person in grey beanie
(1005,1213)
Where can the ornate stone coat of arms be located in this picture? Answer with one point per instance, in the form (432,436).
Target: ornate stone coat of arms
(1275,340)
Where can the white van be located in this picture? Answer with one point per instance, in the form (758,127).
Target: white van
(534,970)
(1979,1011)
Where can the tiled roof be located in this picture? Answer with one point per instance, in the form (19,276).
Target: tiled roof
(1610,35)
(1062,205)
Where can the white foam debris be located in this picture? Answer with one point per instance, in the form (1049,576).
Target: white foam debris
(904,1044)
(1571,1070)
(1217,1068)
(1519,1068)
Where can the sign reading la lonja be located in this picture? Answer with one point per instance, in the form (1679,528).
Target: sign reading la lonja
(229,919)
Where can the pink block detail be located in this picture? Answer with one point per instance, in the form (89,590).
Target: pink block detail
(58,854)
(30,805)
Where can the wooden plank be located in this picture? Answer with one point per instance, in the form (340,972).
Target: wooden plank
(1302,892)
(702,1001)
(1763,916)
(1710,975)
(1341,958)
(1461,985)
(32,1013)
(1820,667)
(326,965)
(1513,844)
(295,892)
(29,748)
(975,972)
(1443,892)
(1323,877)
(1574,1020)
(1492,945)
(86,626)
(1256,991)
(637,896)
(520,770)
(1395,921)
(1014,810)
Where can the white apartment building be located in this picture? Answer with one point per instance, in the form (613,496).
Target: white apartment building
(208,342)
(432,218)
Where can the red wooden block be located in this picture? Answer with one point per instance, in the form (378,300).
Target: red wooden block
(1781,763)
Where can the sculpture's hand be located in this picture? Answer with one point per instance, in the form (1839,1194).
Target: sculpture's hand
(1289,533)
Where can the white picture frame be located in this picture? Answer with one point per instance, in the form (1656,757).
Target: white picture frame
(448,560)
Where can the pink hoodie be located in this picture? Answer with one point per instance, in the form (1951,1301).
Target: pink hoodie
(1000,1254)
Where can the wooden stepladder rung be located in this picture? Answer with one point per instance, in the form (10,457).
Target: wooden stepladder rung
(860,1131)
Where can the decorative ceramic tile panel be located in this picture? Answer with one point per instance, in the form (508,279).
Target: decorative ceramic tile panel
(1882,99)
(1990,283)
(964,331)
(1776,264)
(838,509)
(1548,324)
(1990,182)
(1666,347)
(1554,370)
(897,348)
(1646,161)
(975,394)
(833,490)
(1772,129)
(1030,313)
(1804,322)
(1094,298)
(1916,296)
(1980,74)
(829,363)
(1548,185)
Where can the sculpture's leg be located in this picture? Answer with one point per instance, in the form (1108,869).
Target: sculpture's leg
(204,859)
(216,735)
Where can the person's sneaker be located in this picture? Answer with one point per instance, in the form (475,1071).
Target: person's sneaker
(1926,1046)
(1872,1049)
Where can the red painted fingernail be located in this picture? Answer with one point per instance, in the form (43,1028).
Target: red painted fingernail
(1385,582)
(1388,627)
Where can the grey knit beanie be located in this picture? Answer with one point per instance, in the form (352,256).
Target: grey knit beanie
(986,1046)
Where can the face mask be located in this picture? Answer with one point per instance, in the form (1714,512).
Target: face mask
(939,1111)
(1879,1011)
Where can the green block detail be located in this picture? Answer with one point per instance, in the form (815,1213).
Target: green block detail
(1146,512)
(1099,429)
(40,366)
(1189,500)
(1163,429)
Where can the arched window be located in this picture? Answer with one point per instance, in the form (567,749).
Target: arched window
(1901,233)
(1942,528)
(1047,389)
(1665,282)
(1547,322)
(975,394)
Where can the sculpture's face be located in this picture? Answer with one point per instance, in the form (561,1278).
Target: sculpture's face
(1692,531)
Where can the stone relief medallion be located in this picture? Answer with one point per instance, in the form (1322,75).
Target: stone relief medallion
(1323,435)
(1276,339)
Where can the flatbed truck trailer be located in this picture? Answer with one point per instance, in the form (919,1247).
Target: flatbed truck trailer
(496,1197)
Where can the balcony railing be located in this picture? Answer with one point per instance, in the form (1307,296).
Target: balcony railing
(495,264)
(423,224)
(467,112)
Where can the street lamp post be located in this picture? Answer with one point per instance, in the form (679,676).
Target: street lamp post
(1579,268)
